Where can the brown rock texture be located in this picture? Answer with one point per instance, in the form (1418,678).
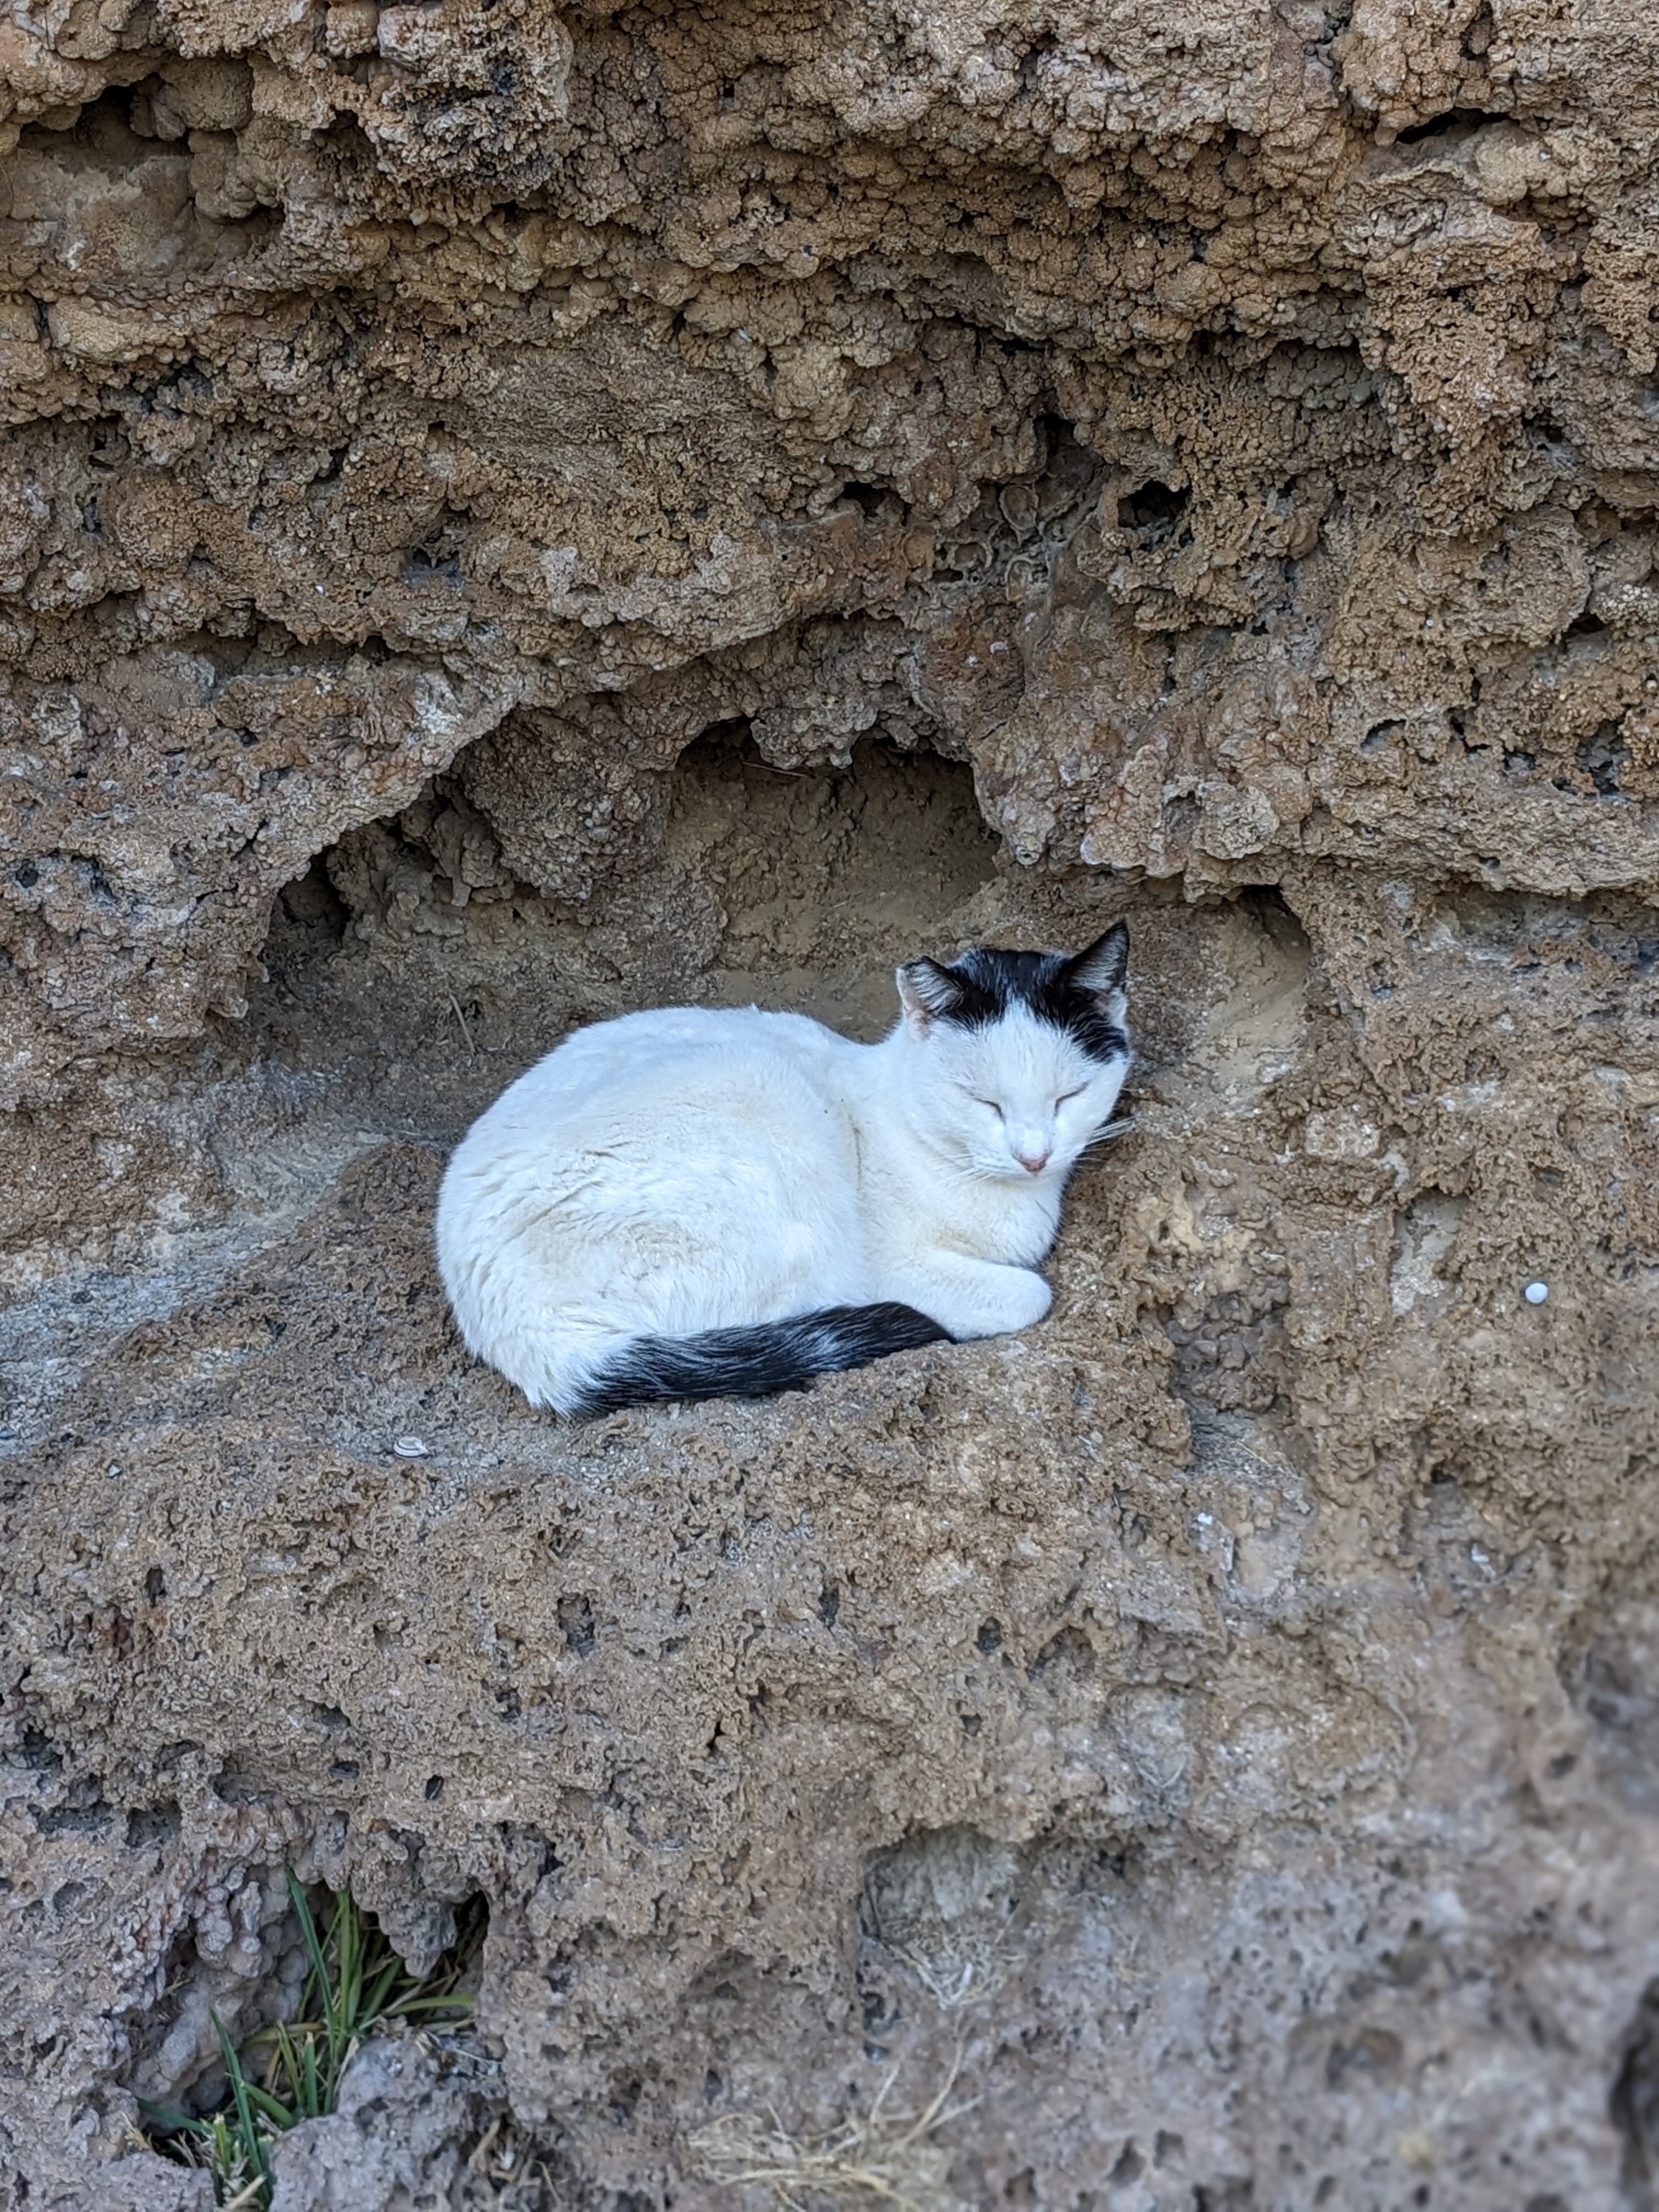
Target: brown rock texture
(507,516)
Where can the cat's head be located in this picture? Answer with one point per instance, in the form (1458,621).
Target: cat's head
(1026,1051)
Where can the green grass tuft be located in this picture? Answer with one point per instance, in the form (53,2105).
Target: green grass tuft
(290,2071)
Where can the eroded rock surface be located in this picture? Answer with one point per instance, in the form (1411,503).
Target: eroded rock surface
(508,517)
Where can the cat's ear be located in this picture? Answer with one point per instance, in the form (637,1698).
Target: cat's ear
(928,992)
(1100,967)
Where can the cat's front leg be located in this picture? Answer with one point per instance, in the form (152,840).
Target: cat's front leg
(972,1297)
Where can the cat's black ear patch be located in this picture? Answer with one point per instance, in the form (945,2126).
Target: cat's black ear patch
(1083,994)
(928,992)
(1100,967)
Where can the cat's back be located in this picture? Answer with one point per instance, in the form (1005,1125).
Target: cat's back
(667,1048)
(668,1114)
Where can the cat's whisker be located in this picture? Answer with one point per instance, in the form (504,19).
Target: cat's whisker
(1112,1130)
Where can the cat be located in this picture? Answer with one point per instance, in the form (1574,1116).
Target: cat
(696,1203)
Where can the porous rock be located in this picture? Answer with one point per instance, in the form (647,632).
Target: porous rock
(508,515)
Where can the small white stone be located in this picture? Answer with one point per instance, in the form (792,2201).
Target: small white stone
(1536,1293)
(415,1447)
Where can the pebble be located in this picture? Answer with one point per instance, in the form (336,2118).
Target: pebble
(1536,1293)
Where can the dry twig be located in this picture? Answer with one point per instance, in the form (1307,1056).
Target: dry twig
(870,2157)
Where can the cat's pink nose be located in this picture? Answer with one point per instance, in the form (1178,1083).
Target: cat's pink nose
(1033,1163)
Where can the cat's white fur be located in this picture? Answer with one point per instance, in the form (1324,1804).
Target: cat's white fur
(687,1170)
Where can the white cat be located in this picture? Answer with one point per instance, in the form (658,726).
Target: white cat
(692,1203)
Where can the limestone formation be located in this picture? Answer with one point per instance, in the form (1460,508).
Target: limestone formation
(507,516)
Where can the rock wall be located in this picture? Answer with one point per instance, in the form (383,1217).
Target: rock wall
(507,516)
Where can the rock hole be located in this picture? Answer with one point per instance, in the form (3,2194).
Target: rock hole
(1476,41)
(82,1812)
(237,1783)
(575,1618)
(1374,2051)
(1603,757)
(438,560)
(723,1979)
(875,502)
(152,1827)
(1031,66)
(624,2096)
(1068,1650)
(1455,123)
(1071,471)
(102,126)
(1154,508)
(940,1904)
(1584,625)
(310,903)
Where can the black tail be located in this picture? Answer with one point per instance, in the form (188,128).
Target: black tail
(754,1362)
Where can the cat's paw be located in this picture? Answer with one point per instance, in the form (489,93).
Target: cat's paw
(999,1301)
(1023,1299)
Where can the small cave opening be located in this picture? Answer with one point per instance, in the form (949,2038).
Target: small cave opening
(103,126)
(1455,123)
(875,502)
(1153,508)
(425,960)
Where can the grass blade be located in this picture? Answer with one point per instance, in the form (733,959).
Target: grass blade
(253,2140)
(286,2063)
(169,2117)
(271,2108)
(374,2005)
(349,1927)
(313,1947)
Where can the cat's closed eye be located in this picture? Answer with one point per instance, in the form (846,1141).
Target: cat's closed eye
(991,1103)
(1066,1096)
